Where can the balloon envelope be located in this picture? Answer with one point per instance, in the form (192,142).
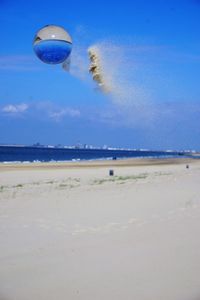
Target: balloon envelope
(52,44)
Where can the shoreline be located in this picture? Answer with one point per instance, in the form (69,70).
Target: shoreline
(128,162)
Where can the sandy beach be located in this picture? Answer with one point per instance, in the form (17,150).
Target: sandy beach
(71,231)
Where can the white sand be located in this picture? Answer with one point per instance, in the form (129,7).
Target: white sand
(72,233)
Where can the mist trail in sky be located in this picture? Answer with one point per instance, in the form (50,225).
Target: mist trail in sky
(114,74)
(111,69)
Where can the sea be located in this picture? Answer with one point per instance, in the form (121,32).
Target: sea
(28,154)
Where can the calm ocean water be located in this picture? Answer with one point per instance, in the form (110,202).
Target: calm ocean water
(44,154)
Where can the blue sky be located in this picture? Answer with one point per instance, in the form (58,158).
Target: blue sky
(153,54)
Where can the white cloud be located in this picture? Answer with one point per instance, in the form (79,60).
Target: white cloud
(15,109)
(47,110)
(59,114)
(18,63)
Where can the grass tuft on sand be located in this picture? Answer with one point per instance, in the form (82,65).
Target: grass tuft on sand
(120,179)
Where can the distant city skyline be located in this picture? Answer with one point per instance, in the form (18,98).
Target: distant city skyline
(152,51)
